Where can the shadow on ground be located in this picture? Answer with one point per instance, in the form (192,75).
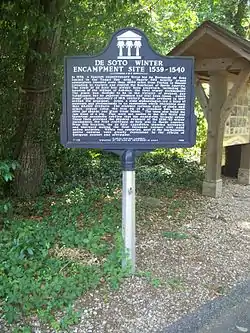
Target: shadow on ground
(228,314)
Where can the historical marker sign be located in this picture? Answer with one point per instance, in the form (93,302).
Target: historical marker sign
(128,97)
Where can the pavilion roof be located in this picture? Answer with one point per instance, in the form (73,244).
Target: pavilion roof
(214,48)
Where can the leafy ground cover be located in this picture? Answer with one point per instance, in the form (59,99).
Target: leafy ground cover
(56,248)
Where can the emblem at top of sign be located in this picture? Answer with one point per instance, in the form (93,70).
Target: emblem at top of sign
(129,44)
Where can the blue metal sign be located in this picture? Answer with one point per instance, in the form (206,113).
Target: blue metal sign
(128,97)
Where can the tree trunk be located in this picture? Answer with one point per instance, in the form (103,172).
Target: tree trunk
(36,101)
(237,18)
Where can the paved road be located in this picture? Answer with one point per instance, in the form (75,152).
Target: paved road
(230,314)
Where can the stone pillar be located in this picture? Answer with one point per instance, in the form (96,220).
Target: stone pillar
(212,185)
(244,170)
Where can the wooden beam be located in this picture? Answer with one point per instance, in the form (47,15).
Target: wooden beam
(202,97)
(212,185)
(213,64)
(230,44)
(241,80)
(218,64)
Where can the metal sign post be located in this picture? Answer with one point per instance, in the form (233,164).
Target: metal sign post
(128,209)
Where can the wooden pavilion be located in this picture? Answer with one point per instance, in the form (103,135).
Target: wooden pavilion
(222,59)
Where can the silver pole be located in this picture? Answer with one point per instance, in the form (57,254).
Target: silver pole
(128,218)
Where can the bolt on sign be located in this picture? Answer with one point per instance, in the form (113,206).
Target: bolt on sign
(128,97)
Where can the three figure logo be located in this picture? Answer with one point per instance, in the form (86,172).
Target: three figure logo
(132,42)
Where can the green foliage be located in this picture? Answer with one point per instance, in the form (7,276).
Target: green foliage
(201,126)
(71,166)
(162,171)
(56,248)
(168,24)
(150,278)
(233,14)
(172,21)
(175,283)
(7,169)
(158,172)
(112,267)
(37,276)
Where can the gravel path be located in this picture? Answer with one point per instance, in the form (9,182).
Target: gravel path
(228,314)
(176,276)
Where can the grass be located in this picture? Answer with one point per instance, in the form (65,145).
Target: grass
(175,283)
(175,235)
(56,248)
